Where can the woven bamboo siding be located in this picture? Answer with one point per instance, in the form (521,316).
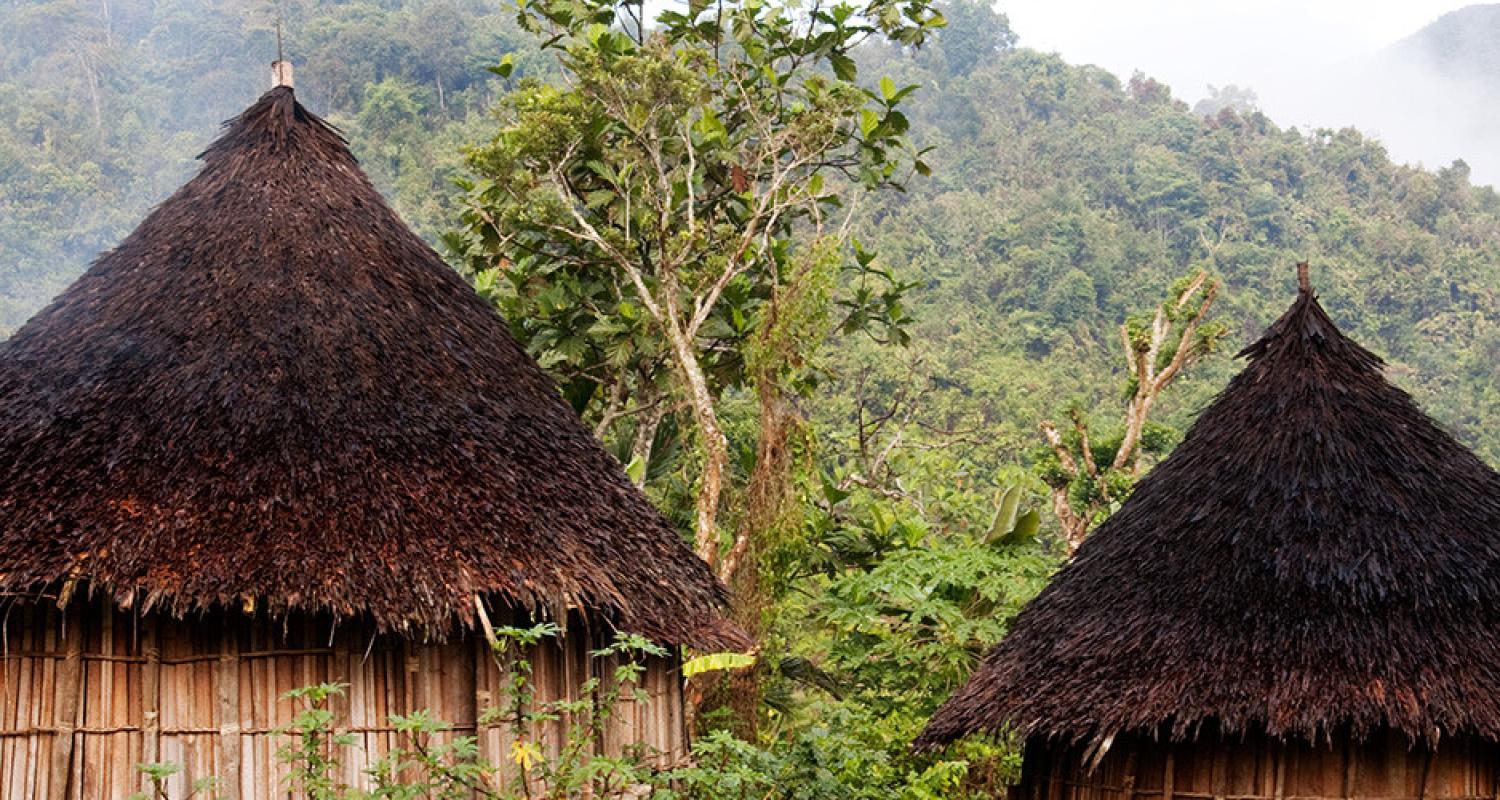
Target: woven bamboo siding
(1385,767)
(87,694)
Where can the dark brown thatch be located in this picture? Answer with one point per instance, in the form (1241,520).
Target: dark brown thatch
(273,393)
(1315,556)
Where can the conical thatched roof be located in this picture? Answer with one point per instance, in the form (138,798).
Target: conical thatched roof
(1316,556)
(272,392)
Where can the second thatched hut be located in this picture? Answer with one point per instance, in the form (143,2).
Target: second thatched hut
(1302,601)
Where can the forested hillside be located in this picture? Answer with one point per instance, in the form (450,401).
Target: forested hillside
(1061,197)
(1064,198)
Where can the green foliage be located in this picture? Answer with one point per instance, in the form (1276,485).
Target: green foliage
(575,770)
(666,227)
(897,589)
(157,775)
(915,589)
(312,752)
(822,762)
(714,662)
(975,33)
(429,761)
(444,767)
(911,628)
(1011,525)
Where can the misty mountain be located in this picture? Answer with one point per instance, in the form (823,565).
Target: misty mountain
(1429,97)
(1462,45)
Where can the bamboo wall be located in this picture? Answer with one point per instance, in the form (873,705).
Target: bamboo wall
(88,693)
(1384,767)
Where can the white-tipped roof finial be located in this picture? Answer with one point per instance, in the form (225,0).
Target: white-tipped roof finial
(281,74)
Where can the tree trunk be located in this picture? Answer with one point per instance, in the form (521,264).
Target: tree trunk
(771,499)
(711,484)
(646,425)
(710,436)
(1075,526)
(92,79)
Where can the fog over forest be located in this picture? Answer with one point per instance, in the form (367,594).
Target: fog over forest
(1430,97)
(1420,76)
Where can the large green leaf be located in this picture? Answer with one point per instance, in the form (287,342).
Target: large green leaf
(716,662)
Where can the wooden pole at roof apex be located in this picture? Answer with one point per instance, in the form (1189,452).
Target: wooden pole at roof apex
(281,69)
(1304,283)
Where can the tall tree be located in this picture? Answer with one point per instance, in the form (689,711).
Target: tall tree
(668,224)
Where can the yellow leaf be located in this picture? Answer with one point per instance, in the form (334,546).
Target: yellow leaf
(716,661)
(524,753)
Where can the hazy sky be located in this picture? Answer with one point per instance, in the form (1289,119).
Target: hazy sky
(1193,42)
(1290,52)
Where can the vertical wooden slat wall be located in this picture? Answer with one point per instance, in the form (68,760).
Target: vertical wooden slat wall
(87,694)
(1383,767)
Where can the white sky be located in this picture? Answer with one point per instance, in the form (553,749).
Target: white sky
(1300,57)
(1188,43)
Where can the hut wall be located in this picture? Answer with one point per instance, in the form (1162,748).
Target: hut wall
(1383,767)
(88,693)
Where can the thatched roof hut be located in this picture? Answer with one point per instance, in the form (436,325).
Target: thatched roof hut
(271,402)
(1314,572)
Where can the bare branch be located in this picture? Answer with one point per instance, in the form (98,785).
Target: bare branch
(1147,363)
(1049,432)
(588,233)
(1149,385)
(692,175)
(731,563)
(1192,288)
(611,410)
(1082,426)
(1185,342)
